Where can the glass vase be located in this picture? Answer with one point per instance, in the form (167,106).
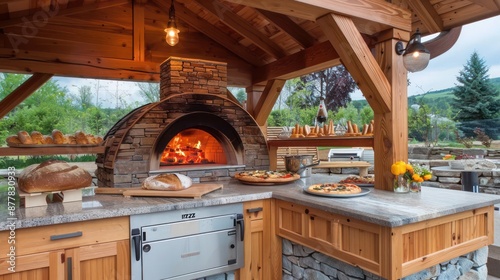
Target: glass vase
(415,186)
(401,185)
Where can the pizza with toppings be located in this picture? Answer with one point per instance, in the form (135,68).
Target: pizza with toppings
(334,189)
(266,177)
(359,180)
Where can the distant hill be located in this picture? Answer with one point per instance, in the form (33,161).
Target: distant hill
(442,96)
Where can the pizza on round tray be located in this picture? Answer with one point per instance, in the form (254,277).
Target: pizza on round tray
(334,189)
(266,177)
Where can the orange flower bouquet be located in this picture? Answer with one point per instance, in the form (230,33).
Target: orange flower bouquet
(408,177)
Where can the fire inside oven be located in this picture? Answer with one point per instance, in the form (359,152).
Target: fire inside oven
(193,146)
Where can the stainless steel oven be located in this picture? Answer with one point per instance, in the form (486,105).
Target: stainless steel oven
(187,244)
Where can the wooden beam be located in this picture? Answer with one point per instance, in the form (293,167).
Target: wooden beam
(378,12)
(443,42)
(69,11)
(22,92)
(233,21)
(267,100)
(78,66)
(358,60)
(289,26)
(391,137)
(206,28)
(310,60)
(427,15)
(139,47)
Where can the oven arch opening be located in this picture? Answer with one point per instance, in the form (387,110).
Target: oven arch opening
(217,127)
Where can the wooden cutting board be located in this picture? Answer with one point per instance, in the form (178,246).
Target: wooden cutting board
(195,191)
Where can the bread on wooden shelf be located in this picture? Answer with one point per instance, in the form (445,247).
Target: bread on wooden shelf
(56,138)
(25,137)
(53,175)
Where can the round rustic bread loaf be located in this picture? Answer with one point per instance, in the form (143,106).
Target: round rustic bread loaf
(53,175)
(167,182)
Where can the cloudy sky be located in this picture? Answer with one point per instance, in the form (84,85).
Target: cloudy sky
(441,73)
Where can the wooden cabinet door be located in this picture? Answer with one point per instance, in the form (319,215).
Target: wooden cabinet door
(107,261)
(257,239)
(40,266)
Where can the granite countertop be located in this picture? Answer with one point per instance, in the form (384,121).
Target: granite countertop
(379,207)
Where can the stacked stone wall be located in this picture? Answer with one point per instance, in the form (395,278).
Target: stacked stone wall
(300,262)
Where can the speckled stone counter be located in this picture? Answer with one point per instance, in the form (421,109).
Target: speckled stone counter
(379,207)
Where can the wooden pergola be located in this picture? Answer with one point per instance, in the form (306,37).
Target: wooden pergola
(264,42)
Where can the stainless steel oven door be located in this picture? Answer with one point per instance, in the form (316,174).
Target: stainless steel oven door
(188,256)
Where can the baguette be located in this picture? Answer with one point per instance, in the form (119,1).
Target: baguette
(81,138)
(36,137)
(13,140)
(24,137)
(58,137)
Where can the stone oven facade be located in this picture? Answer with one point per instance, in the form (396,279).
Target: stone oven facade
(193,95)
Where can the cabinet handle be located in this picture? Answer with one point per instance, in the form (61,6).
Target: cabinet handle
(254,210)
(69,268)
(66,235)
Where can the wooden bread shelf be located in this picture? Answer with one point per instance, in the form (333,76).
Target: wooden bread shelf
(44,150)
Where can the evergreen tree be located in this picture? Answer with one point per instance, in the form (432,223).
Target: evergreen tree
(475,97)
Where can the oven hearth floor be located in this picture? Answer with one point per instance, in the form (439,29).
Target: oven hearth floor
(180,168)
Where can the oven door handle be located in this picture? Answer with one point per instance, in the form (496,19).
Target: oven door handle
(241,222)
(136,239)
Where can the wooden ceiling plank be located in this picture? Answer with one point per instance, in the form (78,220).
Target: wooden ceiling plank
(488,4)
(70,11)
(371,10)
(313,59)
(290,27)
(358,60)
(235,22)
(212,33)
(427,15)
(22,92)
(139,47)
(267,100)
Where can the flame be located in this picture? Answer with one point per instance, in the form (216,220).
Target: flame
(183,151)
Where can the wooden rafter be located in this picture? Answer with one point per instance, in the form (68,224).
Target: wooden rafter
(244,28)
(290,27)
(427,15)
(22,92)
(139,41)
(71,11)
(358,59)
(207,29)
(267,100)
(379,12)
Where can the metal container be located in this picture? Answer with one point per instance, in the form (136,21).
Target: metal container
(300,164)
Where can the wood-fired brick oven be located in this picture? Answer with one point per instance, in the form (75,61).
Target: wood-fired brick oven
(193,99)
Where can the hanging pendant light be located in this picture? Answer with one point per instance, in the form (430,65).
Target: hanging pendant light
(415,56)
(172,33)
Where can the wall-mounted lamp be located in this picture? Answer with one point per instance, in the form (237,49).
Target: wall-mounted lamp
(172,33)
(415,56)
